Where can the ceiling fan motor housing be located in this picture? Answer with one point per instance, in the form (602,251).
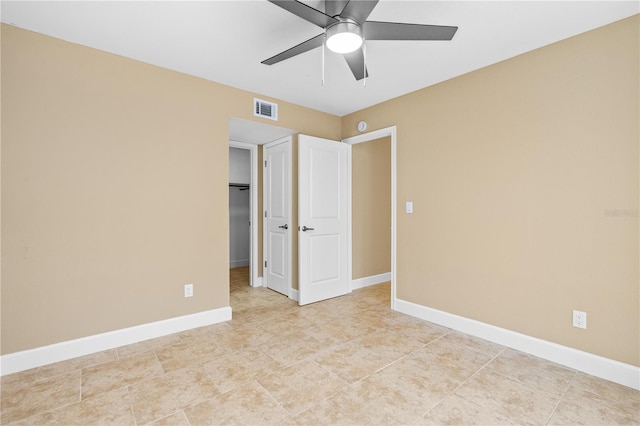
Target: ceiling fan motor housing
(344,36)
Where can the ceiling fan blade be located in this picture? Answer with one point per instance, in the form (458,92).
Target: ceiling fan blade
(359,10)
(398,31)
(355,60)
(305,12)
(305,46)
(334,7)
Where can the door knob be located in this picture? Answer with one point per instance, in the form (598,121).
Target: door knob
(304,228)
(285,226)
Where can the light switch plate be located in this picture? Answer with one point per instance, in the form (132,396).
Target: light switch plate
(409,207)
(188,290)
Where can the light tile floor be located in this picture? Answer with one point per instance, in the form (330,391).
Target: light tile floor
(350,360)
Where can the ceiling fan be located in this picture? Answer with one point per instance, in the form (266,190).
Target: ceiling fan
(346,28)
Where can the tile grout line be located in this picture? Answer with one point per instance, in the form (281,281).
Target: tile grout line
(80,393)
(184,413)
(327,399)
(555,407)
(133,414)
(477,372)
(273,398)
(473,349)
(593,392)
(530,387)
(432,408)
(388,364)
(464,381)
(318,402)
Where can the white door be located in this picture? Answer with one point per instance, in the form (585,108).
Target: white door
(277,206)
(322,216)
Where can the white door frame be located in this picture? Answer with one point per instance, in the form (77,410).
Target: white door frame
(265,248)
(366,137)
(254,279)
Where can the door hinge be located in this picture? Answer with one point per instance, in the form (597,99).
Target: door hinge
(265,163)
(265,263)
(265,213)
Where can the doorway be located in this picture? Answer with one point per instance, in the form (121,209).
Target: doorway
(242,207)
(371,212)
(378,136)
(326,281)
(251,135)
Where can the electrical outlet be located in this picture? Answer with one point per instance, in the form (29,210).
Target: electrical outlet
(188,290)
(580,319)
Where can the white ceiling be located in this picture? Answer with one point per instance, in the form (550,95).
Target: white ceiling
(224,41)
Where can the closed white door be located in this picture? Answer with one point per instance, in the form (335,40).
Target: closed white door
(322,216)
(277,206)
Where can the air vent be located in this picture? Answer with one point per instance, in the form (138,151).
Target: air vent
(265,109)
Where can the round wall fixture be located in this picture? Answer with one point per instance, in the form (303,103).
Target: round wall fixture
(362,126)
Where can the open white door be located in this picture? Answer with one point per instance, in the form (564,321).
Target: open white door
(322,216)
(277,205)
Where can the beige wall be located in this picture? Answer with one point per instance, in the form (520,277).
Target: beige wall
(114,189)
(371,208)
(513,171)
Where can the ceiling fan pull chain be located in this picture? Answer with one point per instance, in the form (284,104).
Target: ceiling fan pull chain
(324,45)
(364,57)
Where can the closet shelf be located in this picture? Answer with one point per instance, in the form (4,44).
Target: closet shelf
(241,186)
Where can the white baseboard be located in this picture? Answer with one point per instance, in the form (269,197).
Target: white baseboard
(258,282)
(24,360)
(355,284)
(371,280)
(293,294)
(238,263)
(595,365)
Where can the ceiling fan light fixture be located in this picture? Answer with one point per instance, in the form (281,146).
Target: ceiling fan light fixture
(344,37)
